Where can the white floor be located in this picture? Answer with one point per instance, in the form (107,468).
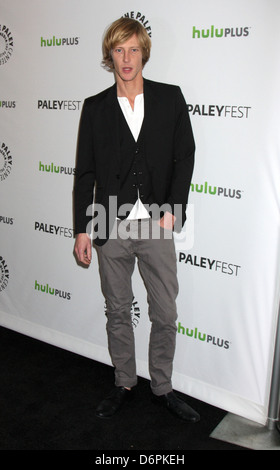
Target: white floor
(239,431)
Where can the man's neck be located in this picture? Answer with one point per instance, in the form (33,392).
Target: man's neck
(130,89)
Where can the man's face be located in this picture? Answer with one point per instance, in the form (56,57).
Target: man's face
(127,58)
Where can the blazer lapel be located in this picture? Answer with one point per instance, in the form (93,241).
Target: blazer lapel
(112,123)
(150,108)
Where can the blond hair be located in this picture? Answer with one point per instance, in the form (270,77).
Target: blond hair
(120,31)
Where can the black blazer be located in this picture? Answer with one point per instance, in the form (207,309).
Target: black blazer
(168,148)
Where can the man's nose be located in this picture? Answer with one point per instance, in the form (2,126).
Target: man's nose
(126,56)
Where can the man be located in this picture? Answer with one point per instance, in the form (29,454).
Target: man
(136,150)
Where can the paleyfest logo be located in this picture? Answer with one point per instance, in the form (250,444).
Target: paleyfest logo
(210,264)
(6,44)
(134,312)
(214,110)
(60,105)
(5,161)
(4,274)
(141,18)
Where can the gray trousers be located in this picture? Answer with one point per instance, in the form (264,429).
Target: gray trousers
(154,249)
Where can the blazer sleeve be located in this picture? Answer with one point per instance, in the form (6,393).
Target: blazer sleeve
(85,171)
(183,158)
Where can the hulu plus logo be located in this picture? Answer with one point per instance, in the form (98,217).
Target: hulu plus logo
(214,32)
(47,289)
(206,188)
(53,168)
(54,41)
(197,335)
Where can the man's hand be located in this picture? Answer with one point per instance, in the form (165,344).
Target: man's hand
(167,221)
(83,248)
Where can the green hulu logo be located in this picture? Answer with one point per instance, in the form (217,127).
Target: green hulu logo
(213,32)
(206,188)
(195,334)
(48,42)
(52,168)
(47,289)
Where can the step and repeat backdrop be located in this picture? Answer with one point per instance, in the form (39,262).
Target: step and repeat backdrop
(224,56)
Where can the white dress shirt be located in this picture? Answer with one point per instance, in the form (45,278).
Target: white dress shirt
(134,118)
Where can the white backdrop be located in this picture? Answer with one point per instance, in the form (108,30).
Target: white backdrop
(224,56)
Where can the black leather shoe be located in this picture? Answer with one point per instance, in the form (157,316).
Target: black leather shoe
(177,407)
(113,402)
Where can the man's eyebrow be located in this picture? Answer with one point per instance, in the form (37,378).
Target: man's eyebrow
(130,47)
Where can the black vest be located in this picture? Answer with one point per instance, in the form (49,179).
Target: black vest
(134,173)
